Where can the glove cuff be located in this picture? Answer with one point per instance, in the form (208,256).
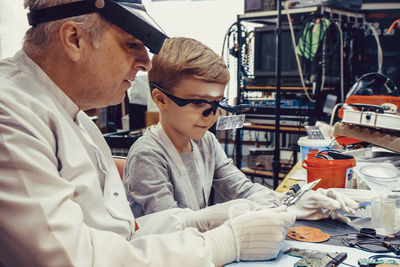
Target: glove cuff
(223,245)
(196,219)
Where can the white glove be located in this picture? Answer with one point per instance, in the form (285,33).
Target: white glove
(257,235)
(213,216)
(323,203)
(267,198)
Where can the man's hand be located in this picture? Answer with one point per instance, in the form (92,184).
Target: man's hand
(323,203)
(257,235)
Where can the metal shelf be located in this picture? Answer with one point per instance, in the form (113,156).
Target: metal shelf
(276,17)
(271,16)
(272,128)
(286,88)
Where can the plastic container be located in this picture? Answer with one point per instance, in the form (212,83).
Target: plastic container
(334,173)
(312,145)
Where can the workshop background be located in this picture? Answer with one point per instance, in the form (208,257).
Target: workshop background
(337,43)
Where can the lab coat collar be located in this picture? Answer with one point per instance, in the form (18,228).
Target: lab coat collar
(27,65)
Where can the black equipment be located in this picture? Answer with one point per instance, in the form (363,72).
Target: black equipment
(374,83)
(265,59)
(259,5)
(129,15)
(353,5)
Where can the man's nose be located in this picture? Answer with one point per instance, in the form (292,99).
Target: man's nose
(142,61)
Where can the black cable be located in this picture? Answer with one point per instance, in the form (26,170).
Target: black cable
(336,261)
(361,240)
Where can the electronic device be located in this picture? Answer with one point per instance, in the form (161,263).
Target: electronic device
(259,5)
(353,5)
(371,116)
(371,89)
(265,59)
(270,120)
(296,192)
(260,159)
(311,258)
(364,262)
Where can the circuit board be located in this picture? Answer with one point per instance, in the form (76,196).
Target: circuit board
(314,258)
(375,262)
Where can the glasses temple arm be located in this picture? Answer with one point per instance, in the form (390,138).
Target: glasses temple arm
(235,109)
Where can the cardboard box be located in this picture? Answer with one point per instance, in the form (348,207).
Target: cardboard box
(152,118)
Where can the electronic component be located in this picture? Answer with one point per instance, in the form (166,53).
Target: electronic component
(260,159)
(375,262)
(295,192)
(314,132)
(348,4)
(314,258)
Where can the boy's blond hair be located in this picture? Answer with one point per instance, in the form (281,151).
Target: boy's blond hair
(181,58)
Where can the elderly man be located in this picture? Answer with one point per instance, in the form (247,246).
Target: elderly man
(61,198)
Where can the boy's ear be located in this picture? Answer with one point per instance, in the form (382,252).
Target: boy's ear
(159,99)
(72,40)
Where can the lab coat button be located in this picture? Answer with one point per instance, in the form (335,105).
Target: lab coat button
(116,194)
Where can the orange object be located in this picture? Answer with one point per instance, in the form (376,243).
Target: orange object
(345,141)
(394,25)
(370,100)
(364,99)
(308,234)
(332,172)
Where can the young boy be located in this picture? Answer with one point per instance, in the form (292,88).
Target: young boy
(177,162)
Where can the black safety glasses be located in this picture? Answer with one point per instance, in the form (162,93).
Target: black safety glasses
(184,102)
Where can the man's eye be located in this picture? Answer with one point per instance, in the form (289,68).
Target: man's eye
(132,45)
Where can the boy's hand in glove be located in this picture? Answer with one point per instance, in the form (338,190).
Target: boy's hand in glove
(323,203)
(213,216)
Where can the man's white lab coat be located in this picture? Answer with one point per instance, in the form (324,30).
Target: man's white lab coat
(62,202)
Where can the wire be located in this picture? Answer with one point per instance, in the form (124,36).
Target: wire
(333,115)
(379,47)
(296,55)
(361,240)
(390,29)
(341,62)
(330,144)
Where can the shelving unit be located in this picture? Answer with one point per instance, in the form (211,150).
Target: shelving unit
(268,18)
(273,88)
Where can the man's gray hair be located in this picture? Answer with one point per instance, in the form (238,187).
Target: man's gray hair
(42,34)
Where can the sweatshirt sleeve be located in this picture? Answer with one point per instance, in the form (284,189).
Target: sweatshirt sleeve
(231,183)
(146,178)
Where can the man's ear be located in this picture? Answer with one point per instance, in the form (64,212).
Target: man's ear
(158,98)
(72,39)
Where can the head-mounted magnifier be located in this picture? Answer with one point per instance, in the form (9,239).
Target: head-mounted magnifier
(128,15)
(214,104)
(225,106)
